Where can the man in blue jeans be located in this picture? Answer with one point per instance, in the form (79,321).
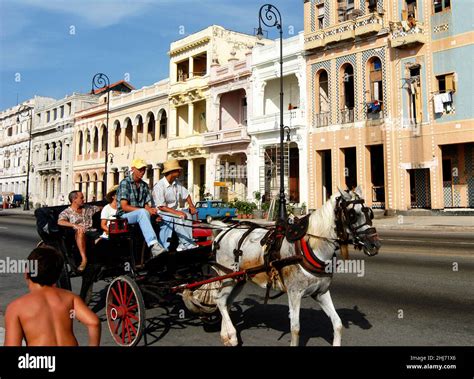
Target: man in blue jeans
(135,203)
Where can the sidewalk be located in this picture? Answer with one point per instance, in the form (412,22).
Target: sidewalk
(16,211)
(447,223)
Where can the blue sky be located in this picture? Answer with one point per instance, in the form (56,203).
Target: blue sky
(54,47)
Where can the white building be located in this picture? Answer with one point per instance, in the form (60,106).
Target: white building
(14,143)
(51,177)
(264,122)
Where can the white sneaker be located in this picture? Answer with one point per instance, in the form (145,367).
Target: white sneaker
(191,246)
(157,249)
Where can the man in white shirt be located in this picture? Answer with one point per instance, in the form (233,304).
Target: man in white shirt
(169,197)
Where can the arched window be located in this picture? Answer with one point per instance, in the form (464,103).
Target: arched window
(163,125)
(118,130)
(348,94)
(128,132)
(52,189)
(96,140)
(80,139)
(88,141)
(322,105)
(151,127)
(104,135)
(139,137)
(375,79)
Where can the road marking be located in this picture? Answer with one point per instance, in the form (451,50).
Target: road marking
(433,241)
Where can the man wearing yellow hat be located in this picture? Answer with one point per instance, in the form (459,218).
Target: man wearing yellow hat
(135,203)
(169,197)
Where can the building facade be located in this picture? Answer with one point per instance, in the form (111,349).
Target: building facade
(264,121)
(388,102)
(15,134)
(53,147)
(139,129)
(227,138)
(191,101)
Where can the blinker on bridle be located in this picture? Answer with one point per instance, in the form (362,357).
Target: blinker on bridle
(346,207)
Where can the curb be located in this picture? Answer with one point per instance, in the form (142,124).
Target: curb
(451,228)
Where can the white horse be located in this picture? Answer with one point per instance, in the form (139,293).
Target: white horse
(298,282)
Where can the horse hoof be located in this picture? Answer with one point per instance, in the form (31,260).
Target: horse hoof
(229,341)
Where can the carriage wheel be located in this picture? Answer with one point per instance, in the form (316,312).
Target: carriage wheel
(125,311)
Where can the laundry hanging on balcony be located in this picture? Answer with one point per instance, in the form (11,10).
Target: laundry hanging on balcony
(439,101)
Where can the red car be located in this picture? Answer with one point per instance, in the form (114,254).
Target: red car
(202,236)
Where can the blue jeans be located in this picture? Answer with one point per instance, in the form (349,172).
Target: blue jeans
(183,229)
(142,218)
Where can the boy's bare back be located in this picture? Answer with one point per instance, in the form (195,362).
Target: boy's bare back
(44,317)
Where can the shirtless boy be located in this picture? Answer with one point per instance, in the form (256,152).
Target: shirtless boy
(44,317)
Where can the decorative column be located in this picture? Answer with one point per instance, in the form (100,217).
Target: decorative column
(190,119)
(191,178)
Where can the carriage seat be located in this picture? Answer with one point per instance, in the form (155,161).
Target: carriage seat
(60,237)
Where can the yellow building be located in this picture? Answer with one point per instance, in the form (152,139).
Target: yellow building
(137,128)
(191,101)
(390,101)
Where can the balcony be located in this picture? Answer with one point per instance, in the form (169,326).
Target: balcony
(321,119)
(49,167)
(314,40)
(343,31)
(403,36)
(271,122)
(223,137)
(368,24)
(188,84)
(181,143)
(346,116)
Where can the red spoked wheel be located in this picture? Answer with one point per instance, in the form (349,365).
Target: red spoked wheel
(125,311)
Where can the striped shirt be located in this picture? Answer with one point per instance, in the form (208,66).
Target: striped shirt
(136,196)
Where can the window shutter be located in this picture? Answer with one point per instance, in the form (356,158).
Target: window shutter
(376,76)
(404,15)
(418,103)
(450,83)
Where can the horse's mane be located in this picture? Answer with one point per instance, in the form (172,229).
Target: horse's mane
(321,221)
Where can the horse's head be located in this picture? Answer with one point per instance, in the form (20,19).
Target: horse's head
(354,219)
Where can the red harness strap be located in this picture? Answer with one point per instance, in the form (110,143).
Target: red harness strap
(312,261)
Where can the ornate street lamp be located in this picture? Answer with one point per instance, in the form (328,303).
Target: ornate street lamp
(102,81)
(270,16)
(26,111)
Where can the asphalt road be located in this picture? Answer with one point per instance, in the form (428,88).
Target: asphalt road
(418,291)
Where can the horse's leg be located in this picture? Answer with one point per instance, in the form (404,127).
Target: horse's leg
(294,301)
(228,332)
(326,304)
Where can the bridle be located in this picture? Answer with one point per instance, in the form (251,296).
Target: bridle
(346,217)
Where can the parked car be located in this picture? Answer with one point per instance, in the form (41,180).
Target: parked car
(214,209)
(17,200)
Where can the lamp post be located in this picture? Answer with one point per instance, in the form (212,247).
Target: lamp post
(102,81)
(270,16)
(26,111)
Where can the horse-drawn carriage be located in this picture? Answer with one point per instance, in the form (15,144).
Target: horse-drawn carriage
(291,257)
(136,280)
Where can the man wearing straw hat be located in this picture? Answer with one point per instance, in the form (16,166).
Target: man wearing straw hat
(135,203)
(169,198)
